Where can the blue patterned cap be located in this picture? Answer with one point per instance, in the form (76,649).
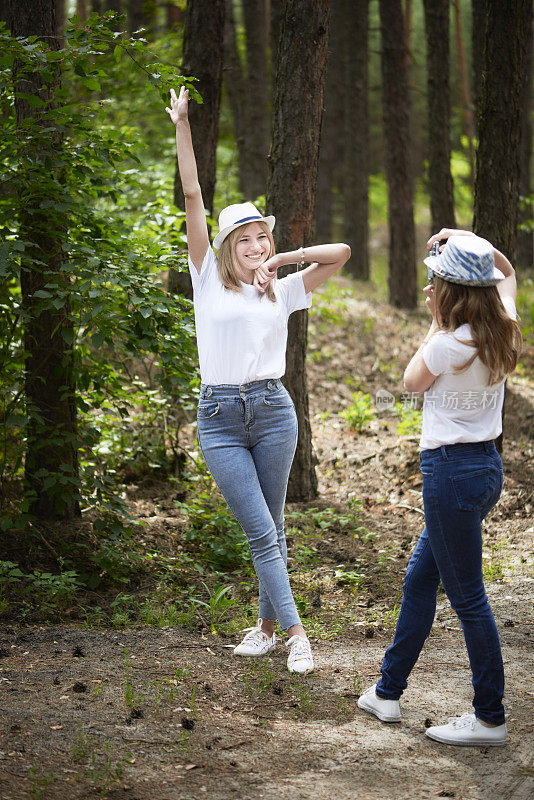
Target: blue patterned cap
(468,260)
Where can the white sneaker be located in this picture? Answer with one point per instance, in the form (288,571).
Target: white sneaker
(467,730)
(385,710)
(300,657)
(255,643)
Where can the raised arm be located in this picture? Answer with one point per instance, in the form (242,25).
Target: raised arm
(326,258)
(195,218)
(507,287)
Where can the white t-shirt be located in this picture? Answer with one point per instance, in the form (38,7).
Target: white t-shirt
(460,407)
(241,336)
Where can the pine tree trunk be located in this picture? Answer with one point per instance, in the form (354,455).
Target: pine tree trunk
(525,238)
(469,127)
(49,384)
(203,59)
(439,112)
(248,91)
(396,112)
(257,91)
(478,37)
(297,109)
(234,81)
(141,14)
(81,9)
(356,154)
(509,26)
(330,169)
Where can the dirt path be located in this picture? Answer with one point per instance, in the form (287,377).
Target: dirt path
(249,734)
(171,714)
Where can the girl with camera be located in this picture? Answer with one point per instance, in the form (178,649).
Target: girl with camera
(247,425)
(461,366)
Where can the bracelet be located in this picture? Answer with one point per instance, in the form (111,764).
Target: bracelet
(302,259)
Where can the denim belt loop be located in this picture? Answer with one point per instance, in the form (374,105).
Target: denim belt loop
(444,453)
(209,391)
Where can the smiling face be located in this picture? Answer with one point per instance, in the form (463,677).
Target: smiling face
(252,247)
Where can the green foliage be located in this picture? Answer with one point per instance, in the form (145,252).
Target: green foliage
(360,413)
(213,533)
(218,606)
(78,161)
(411,419)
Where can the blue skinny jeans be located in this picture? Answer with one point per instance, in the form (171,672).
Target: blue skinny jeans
(461,483)
(248,436)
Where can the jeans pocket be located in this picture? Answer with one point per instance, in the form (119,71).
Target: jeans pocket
(472,490)
(279,399)
(207,410)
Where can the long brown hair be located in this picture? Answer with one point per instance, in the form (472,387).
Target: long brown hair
(227,261)
(496,337)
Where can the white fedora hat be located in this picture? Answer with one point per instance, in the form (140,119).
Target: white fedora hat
(234,216)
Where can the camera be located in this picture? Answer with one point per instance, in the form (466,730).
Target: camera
(434,251)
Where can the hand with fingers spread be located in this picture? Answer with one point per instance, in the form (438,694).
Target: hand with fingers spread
(178,109)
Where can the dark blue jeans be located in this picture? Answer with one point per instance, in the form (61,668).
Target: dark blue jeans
(461,483)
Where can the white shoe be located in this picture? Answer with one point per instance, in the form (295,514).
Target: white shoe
(468,730)
(300,657)
(385,710)
(255,643)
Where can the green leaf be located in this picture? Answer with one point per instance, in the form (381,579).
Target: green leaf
(68,335)
(91,83)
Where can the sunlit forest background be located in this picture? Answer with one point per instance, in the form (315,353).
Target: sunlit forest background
(98,367)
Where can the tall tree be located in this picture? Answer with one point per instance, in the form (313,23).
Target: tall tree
(469,127)
(396,112)
(247,85)
(330,169)
(439,113)
(50,402)
(356,153)
(478,37)
(525,235)
(142,14)
(202,59)
(509,26)
(297,109)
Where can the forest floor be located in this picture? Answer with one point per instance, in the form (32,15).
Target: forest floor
(145,713)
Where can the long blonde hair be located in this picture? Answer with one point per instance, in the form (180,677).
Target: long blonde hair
(496,337)
(227,261)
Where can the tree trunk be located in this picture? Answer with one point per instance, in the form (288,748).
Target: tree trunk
(257,92)
(274,32)
(478,37)
(297,109)
(396,111)
(60,19)
(81,9)
(234,81)
(464,83)
(49,385)
(525,238)
(439,113)
(203,59)
(142,14)
(248,91)
(330,169)
(356,155)
(500,119)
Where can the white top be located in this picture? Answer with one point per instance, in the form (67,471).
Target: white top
(460,407)
(241,336)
